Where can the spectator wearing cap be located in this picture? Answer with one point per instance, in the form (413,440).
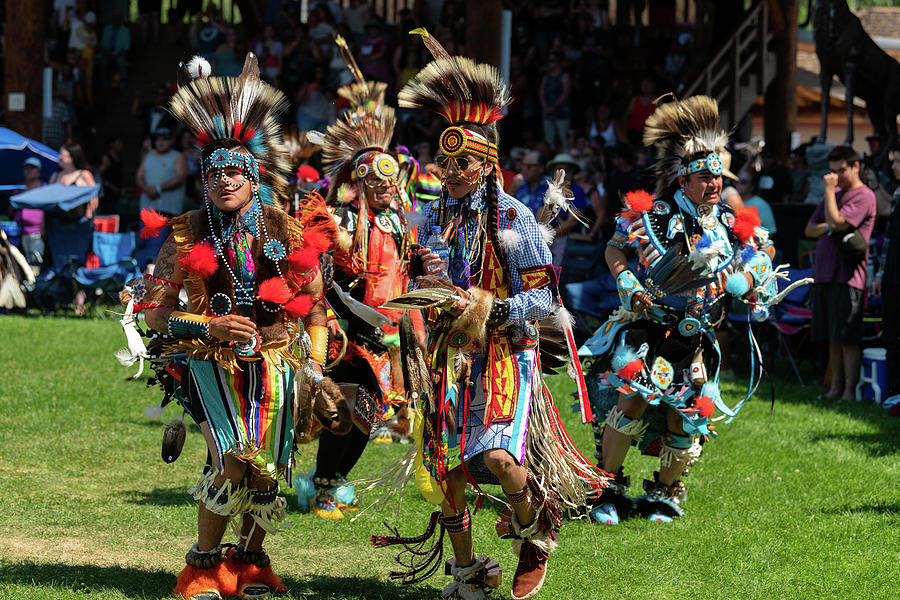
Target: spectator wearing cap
(31,220)
(842,223)
(534,184)
(161,179)
(566,222)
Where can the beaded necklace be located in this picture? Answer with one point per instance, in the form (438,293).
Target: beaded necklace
(255,224)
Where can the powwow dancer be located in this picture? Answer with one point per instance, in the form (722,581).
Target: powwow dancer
(486,396)
(367,197)
(691,250)
(250,272)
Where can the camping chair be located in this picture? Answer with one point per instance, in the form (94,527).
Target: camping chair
(792,318)
(790,321)
(68,242)
(117,266)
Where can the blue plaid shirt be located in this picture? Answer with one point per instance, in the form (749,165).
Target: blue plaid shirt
(532,251)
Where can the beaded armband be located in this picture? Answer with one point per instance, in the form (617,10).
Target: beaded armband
(765,284)
(153,292)
(187,326)
(628,285)
(542,276)
(618,241)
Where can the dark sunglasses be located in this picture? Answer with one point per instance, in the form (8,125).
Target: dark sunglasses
(460,163)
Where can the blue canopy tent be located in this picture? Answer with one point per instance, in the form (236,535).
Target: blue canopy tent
(15,148)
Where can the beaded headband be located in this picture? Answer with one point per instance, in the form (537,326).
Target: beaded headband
(711,163)
(221,158)
(373,161)
(456,140)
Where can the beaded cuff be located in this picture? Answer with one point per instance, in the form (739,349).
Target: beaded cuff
(628,285)
(459,523)
(188,326)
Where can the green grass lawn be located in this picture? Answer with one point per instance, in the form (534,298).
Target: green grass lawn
(805,507)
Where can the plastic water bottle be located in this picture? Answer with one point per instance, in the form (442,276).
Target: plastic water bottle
(438,246)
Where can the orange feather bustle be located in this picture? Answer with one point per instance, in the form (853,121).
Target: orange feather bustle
(153,223)
(705,406)
(631,370)
(299,307)
(638,201)
(201,260)
(274,290)
(746,220)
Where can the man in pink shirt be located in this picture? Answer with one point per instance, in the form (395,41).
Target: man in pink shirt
(847,208)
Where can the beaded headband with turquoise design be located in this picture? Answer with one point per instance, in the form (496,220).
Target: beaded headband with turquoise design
(222,158)
(710,162)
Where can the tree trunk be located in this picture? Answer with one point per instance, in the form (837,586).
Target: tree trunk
(24,51)
(781,95)
(483,30)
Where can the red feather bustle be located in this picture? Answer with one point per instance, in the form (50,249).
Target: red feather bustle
(316,240)
(153,223)
(705,406)
(201,260)
(638,201)
(299,307)
(746,220)
(630,371)
(304,259)
(274,290)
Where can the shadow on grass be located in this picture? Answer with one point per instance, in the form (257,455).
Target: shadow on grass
(875,509)
(324,586)
(133,583)
(137,583)
(883,443)
(176,496)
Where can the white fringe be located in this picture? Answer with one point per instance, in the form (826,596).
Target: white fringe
(542,539)
(667,454)
(270,517)
(509,240)
(238,499)
(546,454)
(394,477)
(635,428)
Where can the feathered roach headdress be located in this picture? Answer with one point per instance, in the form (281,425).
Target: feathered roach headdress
(361,92)
(687,138)
(243,109)
(463,92)
(356,145)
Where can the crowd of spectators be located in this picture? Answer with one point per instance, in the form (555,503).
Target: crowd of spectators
(582,84)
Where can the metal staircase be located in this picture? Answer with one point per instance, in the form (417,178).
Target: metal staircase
(741,70)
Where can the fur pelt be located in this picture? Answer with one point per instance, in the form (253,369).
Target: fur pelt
(473,320)
(330,405)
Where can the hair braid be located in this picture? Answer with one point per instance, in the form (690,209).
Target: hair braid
(492,201)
